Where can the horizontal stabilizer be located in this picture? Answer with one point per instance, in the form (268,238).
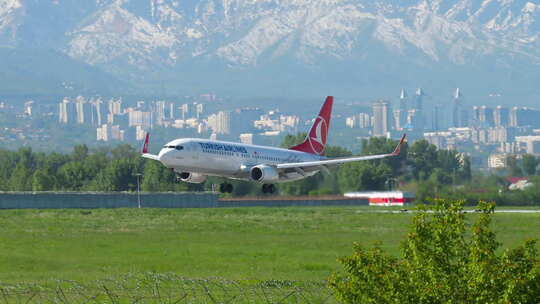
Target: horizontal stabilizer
(150,156)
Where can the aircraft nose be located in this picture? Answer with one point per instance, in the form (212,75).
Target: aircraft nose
(165,156)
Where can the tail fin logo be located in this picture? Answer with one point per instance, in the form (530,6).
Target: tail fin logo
(315,141)
(318,135)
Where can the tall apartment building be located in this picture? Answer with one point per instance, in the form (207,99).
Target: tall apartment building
(115,106)
(67,112)
(220,123)
(484,115)
(99,112)
(381,118)
(460,117)
(400,115)
(523,116)
(501,116)
(140,118)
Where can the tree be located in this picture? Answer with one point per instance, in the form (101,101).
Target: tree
(358,176)
(529,163)
(466,173)
(73,176)
(7,164)
(157,177)
(422,157)
(381,145)
(80,152)
(41,181)
(513,167)
(292,140)
(20,179)
(442,262)
(119,175)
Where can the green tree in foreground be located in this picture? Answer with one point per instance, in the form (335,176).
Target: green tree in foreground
(442,263)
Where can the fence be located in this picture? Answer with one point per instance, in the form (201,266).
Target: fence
(82,200)
(58,200)
(170,288)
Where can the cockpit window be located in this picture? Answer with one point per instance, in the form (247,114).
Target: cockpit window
(174,147)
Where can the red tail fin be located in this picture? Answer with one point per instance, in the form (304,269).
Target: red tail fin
(397,150)
(145,147)
(315,142)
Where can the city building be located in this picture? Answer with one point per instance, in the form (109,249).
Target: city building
(140,133)
(115,106)
(220,123)
(400,115)
(139,118)
(381,118)
(484,116)
(418,102)
(459,113)
(530,144)
(83,111)
(110,132)
(497,161)
(523,116)
(28,107)
(501,116)
(438,139)
(67,113)
(246,138)
(100,112)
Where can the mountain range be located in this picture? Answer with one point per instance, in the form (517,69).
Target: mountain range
(353,48)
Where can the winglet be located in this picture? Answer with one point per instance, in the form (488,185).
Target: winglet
(145,146)
(398,147)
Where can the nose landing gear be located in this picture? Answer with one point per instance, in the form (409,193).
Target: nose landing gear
(225,188)
(268,188)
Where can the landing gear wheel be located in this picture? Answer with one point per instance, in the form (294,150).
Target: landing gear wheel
(268,188)
(225,188)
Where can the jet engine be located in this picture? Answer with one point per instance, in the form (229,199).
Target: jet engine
(264,173)
(189,177)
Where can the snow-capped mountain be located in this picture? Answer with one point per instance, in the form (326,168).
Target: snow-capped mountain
(147,39)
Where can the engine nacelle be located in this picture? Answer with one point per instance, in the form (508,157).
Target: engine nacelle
(264,173)
(189,177)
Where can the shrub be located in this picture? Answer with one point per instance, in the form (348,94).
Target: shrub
(442,262)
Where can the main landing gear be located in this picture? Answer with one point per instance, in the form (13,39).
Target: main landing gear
(268,188)
(225,188)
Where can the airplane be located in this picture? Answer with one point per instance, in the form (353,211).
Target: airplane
(194,159)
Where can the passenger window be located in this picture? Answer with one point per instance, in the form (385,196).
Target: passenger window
(179,148)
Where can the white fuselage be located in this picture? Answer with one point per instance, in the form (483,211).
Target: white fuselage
(229,159)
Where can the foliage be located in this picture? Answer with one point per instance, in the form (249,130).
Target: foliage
(513,166)
(442,262)
(420,168)
(105,169)
(529,164)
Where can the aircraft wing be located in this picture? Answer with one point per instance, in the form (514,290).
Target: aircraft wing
(341,160)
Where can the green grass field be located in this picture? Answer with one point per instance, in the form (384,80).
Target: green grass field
(252,244)
(242,243)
